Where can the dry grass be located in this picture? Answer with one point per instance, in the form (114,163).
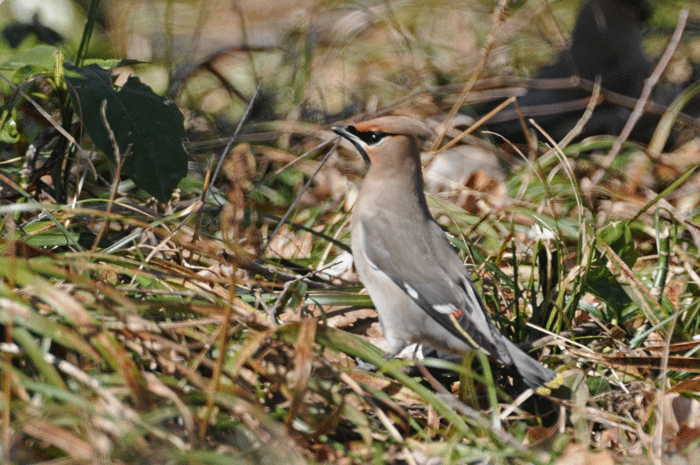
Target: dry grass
(193,334)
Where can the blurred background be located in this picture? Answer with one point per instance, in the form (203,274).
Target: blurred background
(313,59)
(571,240)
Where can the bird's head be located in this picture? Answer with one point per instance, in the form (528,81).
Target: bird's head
(386,140)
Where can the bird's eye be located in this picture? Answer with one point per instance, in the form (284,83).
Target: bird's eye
(367,137)
(374,137)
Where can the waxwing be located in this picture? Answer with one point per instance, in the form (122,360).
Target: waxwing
(415,278)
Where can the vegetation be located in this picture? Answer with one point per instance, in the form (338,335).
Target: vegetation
(154,314)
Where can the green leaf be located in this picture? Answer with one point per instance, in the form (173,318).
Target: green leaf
(52,238)
(46,234)
(598,385)
(142,123)
(8,127)
(600,281)
(36,60)
(619,237)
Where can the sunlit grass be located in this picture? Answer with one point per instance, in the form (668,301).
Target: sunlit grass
(192,335)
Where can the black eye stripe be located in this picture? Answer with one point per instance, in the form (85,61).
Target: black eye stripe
(369,137)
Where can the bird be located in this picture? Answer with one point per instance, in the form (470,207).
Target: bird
(417,282)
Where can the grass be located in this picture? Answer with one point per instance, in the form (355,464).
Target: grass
(191,334)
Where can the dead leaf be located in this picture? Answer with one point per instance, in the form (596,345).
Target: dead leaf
(576,454)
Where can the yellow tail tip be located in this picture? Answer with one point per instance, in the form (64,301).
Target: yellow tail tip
(550,386)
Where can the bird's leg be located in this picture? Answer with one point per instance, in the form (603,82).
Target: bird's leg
(362,365)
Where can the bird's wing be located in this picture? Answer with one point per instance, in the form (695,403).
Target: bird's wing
(422,262)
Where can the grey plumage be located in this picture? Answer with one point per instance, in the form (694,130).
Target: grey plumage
(417,282)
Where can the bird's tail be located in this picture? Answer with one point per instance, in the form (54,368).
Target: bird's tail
(536,376)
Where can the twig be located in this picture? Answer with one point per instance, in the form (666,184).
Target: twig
(117,174)
(469,412)
(586,115)
(558,148)
(662,401)
(7,389)
(646,93)
(381,416)
(566,336)
(298,197)
(223,341)
(282,297)
(501,87)
(273,175)
(638,288)
(470,129)
(48,117)
(500,17)
(205,194)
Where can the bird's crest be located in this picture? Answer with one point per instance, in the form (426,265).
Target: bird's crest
(399,125)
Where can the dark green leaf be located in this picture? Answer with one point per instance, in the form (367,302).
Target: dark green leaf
(598,385)
(601,282)
(146,129)
(619,237)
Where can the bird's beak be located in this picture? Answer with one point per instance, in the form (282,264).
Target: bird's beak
(349,133)
(342,131)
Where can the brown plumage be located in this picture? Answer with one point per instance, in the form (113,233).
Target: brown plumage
(417,282)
